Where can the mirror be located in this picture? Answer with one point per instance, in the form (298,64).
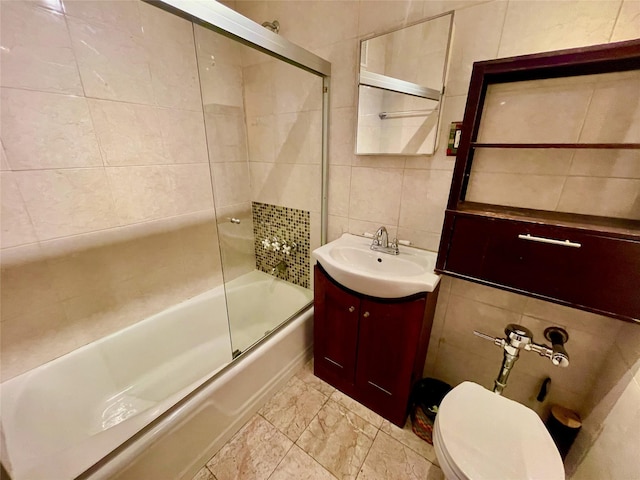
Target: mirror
(400,88)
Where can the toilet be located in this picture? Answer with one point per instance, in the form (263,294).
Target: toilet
(480,435)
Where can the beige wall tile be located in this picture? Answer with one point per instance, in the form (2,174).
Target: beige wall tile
(170,48)
(476,35)
(19,282)
(606,163)
(524,161)
(420,238)
(465,315)
(341,136)
(534,111)
(299,21)
(491,296)
(150,192)
(123,14)
(527,191)
(34,339)
(227,135)
(295,89)
(36,50)
(16,224)
(45,130)
(627,27)
(614,112)
(289,185)
(339,186)
(381,16)
(299,137)
(259,93)
(424,197)
(113,63)
(532,27)
(231,183)
(221,82)
(609,197)
(68,201)
(344,57)
(336,226)
(4,164)
(593,323)
(129,134)
(132,134)
(261,133)
(218,48)
(375,194)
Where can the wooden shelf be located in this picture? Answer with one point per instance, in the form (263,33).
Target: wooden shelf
(594,146)
(616,227)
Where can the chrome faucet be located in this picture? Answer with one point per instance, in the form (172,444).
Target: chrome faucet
(381,242)
(279,268)
(519,337)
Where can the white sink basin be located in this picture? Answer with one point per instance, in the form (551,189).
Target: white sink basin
(350,262)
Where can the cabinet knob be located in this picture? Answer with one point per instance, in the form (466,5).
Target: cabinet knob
(352,309)
(366,314)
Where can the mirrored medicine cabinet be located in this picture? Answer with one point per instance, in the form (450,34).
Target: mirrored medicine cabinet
(400,88)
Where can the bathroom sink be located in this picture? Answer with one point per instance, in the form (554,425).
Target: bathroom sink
(350,262)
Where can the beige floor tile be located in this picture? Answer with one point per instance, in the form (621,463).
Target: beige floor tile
(306,375)
(203,474)
(388,459)
(357,408)
(252,454)
(409,439)
(338,439)
(298,465)
(293,407)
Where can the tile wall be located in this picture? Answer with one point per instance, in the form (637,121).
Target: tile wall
(288,225)
(408,195)
(107,206)
(121,124)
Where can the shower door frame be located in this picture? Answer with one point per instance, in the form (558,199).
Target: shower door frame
(222,19)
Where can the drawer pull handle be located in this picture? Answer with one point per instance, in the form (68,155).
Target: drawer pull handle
(564,243)
(366,314)
(380,388)
(331,361)
(352,309)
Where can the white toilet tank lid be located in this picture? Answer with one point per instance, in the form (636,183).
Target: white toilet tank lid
(489,436)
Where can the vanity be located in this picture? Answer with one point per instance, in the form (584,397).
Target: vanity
(373,316)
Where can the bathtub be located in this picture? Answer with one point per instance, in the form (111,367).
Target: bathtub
(112,408)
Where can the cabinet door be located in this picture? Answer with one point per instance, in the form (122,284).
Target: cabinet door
(388,342)
(335,333)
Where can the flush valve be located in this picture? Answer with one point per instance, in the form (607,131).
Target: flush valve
(519,337)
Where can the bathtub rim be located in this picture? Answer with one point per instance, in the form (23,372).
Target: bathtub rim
(112,463)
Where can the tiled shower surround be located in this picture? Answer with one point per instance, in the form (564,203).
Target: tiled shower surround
(288,224)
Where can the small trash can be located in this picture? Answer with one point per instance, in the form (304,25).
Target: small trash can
(563,425)
(425,399)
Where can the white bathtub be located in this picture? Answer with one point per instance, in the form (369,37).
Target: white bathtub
(61,418)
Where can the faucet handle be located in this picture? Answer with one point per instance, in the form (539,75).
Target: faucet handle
(496,341)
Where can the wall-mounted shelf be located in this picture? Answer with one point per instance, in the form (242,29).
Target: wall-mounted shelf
(586,261)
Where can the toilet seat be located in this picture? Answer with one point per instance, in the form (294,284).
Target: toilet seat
(481,435)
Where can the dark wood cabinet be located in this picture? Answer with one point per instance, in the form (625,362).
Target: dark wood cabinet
(583,259)
(371,349)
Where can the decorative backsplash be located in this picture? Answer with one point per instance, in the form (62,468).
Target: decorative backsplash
(282,234)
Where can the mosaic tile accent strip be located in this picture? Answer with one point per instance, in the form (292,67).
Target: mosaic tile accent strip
(287,225)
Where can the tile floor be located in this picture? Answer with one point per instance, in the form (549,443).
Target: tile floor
(309,430)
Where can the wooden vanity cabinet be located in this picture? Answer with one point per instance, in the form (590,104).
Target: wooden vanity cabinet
(371,349)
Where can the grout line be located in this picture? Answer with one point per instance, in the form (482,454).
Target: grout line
(615,22)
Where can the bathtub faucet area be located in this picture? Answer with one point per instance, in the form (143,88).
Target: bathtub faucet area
(280,268)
